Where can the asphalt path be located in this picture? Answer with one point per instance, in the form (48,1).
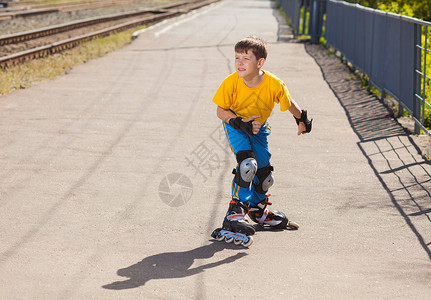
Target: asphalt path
(113,177)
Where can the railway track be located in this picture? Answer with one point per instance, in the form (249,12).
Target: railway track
(16,11)
(16,48)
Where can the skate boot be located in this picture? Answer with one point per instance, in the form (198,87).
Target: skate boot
(275,219)
(235,226)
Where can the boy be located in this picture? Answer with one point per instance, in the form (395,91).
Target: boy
(245,100)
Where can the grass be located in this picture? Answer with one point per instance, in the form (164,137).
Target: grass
(25,75)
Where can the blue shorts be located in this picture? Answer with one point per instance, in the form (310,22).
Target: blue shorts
(239,140)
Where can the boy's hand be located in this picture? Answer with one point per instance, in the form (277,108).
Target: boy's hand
(255,124)
(301,128)
(250,125)
(304,124)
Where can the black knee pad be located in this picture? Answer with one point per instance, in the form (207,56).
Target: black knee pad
(266,180)
(246,169)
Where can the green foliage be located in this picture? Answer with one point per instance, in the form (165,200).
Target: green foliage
(426,85)
(303,27)
(420,9)
(427,118)
(398,8)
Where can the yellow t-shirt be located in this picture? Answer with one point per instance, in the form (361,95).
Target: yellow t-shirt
(233,94)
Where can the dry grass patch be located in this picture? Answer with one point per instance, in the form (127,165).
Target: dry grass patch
(29,73)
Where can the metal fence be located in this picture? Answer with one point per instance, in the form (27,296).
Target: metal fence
(423,70)
(292,9)
(393,50)
(306,16)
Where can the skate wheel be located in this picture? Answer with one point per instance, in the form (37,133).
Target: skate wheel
(249,242)
(220,238)
(229,240)
(292,225)
(238,242)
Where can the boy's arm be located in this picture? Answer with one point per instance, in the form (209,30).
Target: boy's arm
(225,114)
(249,125)
(296,111)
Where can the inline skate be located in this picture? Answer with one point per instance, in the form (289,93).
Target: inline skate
(236,227)
(273,218)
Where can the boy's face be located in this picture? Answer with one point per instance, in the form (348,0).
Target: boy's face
(247,65)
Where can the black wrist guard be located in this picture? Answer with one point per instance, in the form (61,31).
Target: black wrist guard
(304,119)
(238,124)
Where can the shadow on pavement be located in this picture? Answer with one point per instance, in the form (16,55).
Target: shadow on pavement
(171,265)
(390,152)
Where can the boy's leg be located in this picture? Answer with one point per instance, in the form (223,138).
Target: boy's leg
(253,174)
(247,165)
(245,171)
(263,180)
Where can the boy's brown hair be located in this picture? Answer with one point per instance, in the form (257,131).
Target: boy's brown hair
(253,43)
